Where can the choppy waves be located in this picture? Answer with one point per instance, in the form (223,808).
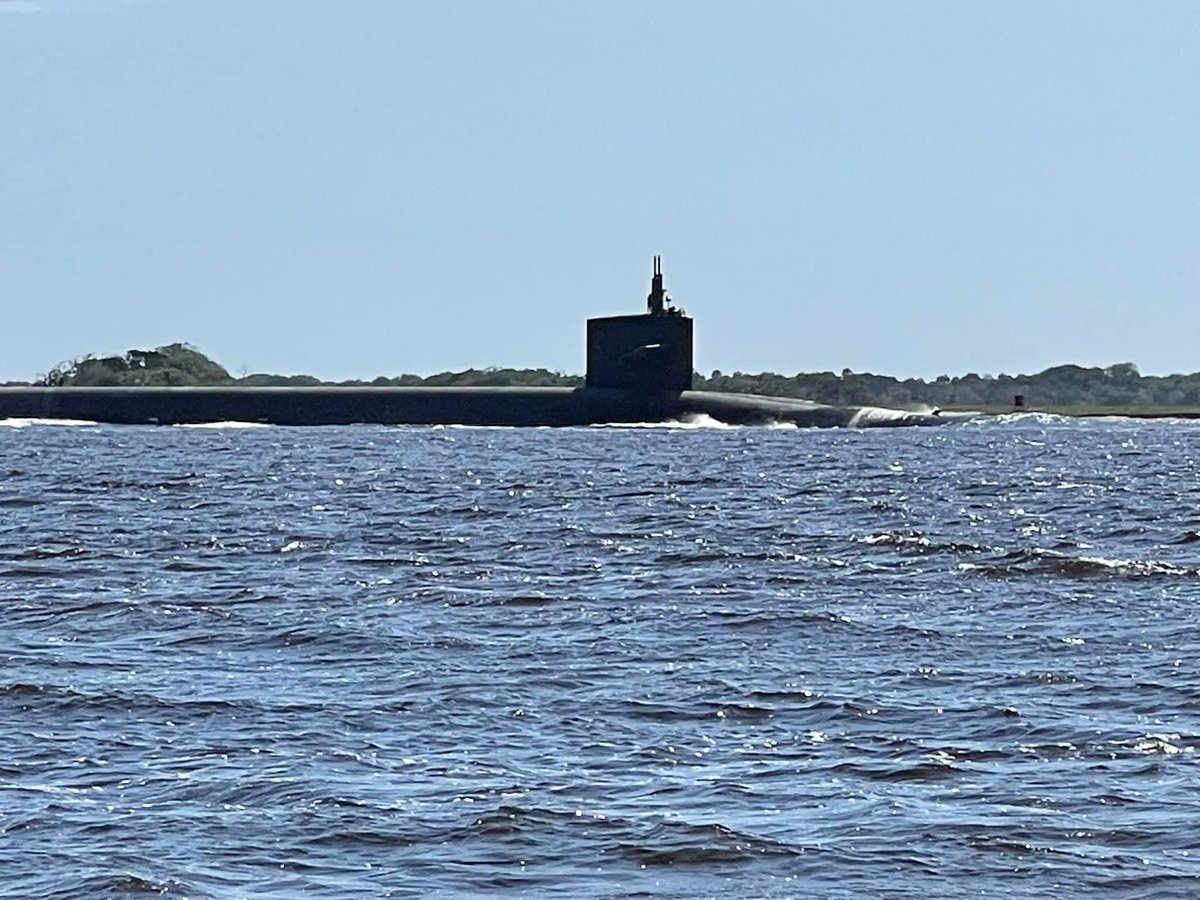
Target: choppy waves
(663,662)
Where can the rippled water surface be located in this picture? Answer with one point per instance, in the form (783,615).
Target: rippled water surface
(367,661)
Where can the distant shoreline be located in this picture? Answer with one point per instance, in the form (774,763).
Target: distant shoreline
(1069,390)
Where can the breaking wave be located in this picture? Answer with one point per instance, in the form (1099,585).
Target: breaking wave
(1037,561)
(870,416)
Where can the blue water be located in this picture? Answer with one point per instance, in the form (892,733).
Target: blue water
(662,662)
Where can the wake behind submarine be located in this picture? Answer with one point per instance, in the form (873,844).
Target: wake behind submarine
(639,369)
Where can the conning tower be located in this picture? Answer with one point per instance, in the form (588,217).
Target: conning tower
(650,352)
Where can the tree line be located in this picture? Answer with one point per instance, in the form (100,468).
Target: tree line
(1116,385)
(183,365)
(1067,385)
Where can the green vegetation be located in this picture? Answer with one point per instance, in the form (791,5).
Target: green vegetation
(1072,390)
(176,365)
(485,378)
(1117,385)
(182,365)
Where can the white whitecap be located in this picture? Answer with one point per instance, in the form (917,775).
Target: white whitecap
(25,423)
(230,424)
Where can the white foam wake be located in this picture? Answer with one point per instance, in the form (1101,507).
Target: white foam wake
(1036,418)
(689,422)
(868,416)
(25,423)
(230,424)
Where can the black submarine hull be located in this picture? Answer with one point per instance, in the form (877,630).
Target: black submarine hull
(495,406)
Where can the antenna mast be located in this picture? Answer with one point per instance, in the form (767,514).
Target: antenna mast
(655,303)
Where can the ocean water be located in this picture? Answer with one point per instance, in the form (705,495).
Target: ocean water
(604,662)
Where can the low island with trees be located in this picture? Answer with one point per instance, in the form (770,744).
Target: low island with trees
(1069,389)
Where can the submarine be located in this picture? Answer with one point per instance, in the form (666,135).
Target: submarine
(639,370)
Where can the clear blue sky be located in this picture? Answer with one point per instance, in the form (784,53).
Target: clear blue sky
(360,188)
